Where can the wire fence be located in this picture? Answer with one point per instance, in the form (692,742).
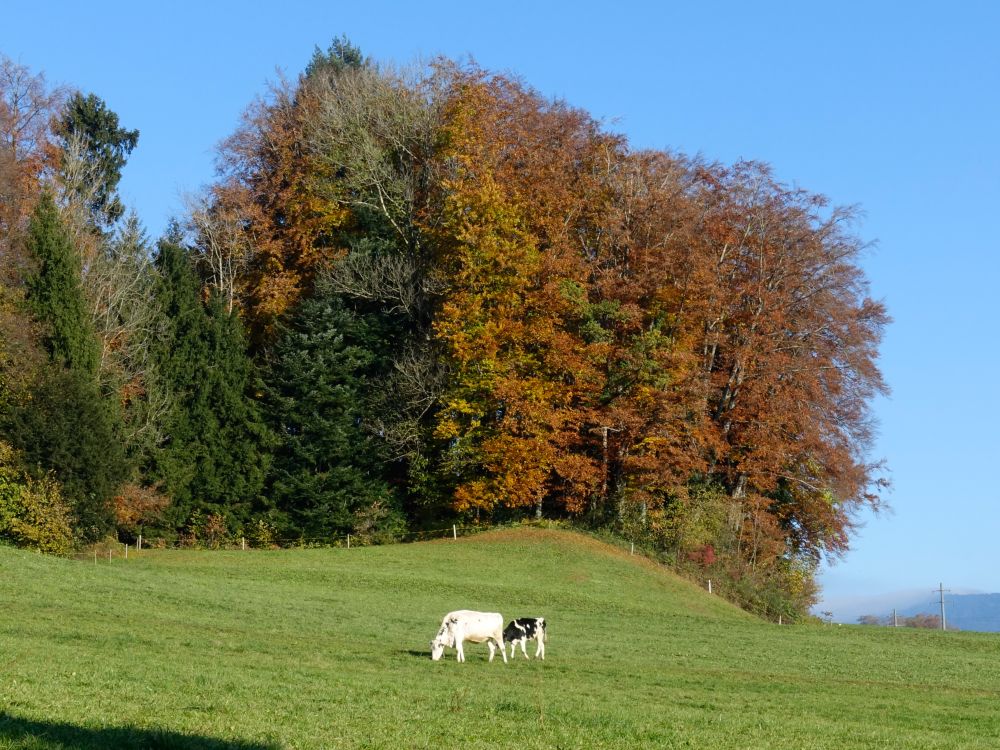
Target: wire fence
(110,550)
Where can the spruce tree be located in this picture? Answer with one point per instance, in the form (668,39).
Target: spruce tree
(88,125)
(214,457)
(55,293)
(330,473)
(67,426)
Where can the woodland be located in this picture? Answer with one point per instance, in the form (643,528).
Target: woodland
(418,297)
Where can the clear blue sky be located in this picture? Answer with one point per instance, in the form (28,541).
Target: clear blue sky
(894,106)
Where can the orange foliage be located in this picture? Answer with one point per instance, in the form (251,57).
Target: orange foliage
(268,186)
(519,191)
(135,506)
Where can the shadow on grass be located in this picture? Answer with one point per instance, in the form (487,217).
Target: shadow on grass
(425,654)
(27,734)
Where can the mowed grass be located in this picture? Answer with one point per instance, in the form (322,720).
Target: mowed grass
(330,649)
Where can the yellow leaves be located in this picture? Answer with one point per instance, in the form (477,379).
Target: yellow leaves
(512,407)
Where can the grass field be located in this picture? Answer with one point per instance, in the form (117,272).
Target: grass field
(330,649)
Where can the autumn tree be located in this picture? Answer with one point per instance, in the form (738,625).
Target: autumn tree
(519,195)
(266,192)
(791,348)
(33,513)
(679,349)
(650,281)
(27,104)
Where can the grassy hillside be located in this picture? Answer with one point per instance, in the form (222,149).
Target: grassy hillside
(330,649)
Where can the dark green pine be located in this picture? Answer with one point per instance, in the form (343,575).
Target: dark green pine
(329,471)
(55,292)
(215,455)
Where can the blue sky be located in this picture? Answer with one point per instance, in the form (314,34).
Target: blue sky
(894,106)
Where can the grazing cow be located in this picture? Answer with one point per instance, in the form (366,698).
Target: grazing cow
(522,630)
(467,625)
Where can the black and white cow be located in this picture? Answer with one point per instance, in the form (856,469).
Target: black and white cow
(522,630)
(469,625)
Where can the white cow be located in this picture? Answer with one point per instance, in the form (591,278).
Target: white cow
(467,625)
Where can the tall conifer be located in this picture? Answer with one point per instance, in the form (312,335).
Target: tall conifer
(330,474)
(55,292)
(67,426)
(213,460)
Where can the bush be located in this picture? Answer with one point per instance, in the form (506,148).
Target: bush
(137,507)
(33,513)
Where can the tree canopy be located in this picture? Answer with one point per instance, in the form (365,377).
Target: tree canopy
(422,296)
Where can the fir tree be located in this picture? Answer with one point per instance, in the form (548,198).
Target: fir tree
(55,293)
(330,473)
(213,460)
(67,426)
(88,125)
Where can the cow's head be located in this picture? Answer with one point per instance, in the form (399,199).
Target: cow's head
(437,649)
(442,639)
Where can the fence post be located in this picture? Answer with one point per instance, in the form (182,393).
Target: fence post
(710,585)
(633,548)
(454,532)
(139,545)
(243,543)
(348,541)
(109,554)
(126,552)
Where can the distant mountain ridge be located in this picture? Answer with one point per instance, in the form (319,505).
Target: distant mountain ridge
(979,612)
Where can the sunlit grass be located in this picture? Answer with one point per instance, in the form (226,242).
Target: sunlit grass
(330,649)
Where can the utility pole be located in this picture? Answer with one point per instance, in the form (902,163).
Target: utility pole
(941,591)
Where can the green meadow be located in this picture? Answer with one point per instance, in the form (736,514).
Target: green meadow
(329,648)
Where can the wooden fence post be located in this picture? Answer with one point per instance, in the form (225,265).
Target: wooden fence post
(454,532)
(348,541)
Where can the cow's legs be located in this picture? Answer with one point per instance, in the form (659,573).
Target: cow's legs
(503,649)
(540,651)
(524,650)
(459,651)
(493,650)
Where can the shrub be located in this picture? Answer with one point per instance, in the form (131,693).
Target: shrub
(33,513)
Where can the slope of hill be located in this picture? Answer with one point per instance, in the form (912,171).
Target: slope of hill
(329,649)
